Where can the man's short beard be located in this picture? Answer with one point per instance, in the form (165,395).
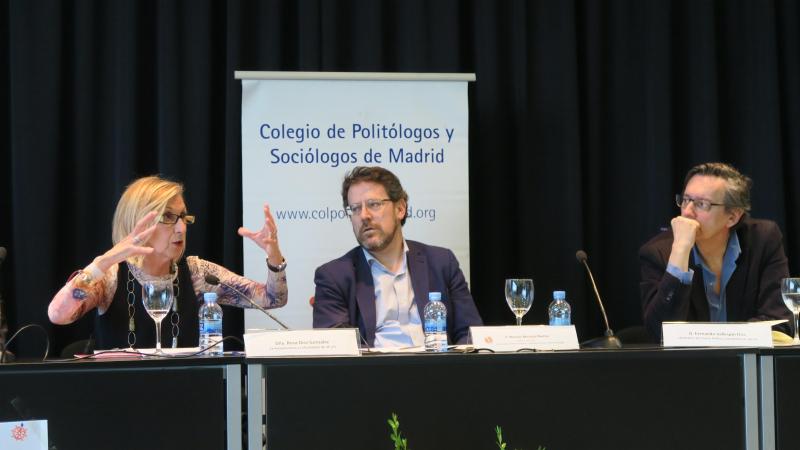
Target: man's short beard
(381,244)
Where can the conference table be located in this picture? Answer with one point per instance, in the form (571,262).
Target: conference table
(779,378)
(631,399)
(636,398)
(136,404)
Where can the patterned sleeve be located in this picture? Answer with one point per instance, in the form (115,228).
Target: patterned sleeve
(273,294)
(64,308)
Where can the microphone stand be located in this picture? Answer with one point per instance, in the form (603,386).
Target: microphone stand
(608,340)
(213,280)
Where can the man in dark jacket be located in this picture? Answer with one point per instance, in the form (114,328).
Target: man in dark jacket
(739,260)
(382,285)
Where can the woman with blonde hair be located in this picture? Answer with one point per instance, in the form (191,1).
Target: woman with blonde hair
(149,237)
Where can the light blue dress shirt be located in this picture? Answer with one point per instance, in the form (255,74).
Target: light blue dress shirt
(717,309)
(397,319)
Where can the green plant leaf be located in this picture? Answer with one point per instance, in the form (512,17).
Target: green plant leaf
(400,443)
(499,433)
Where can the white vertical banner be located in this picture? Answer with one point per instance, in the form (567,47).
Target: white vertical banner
(302,132)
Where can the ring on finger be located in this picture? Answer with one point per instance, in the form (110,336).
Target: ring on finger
(137,240)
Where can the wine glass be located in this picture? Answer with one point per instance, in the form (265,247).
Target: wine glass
(157,298)
(519,296)
(790,290)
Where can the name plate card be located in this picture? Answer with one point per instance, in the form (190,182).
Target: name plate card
(23,435)
(512,338)
(317,342)
(718,334)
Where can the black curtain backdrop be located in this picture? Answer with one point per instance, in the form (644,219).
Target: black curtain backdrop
(583,120)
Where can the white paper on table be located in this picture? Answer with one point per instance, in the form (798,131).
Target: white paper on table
(140,352)
(180,351)
(417,349)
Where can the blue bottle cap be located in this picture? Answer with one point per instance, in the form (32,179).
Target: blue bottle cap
(210,296)
(434,296)
(559,295)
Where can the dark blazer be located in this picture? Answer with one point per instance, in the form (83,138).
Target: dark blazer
(753,291)
(345,292)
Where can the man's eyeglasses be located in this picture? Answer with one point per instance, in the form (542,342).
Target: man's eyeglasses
(701,204)
(169,218)
(373,205)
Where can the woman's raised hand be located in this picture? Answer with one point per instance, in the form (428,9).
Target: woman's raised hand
(266,237)
(134,244)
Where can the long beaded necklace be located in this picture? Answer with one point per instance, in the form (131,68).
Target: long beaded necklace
(175,317)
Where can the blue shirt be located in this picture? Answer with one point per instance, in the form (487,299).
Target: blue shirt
(717,309)
(397,320)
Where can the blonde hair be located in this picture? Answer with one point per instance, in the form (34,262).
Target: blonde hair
(146,194)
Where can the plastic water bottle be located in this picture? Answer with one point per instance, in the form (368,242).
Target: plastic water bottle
(559,310)
(435,323)
(211,324)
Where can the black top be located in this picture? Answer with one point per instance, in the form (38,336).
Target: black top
(111,328)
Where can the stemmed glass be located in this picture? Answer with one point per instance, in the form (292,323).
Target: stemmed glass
(519,296)
(790,290)
(157,298)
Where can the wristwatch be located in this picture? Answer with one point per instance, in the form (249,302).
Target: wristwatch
(279,268)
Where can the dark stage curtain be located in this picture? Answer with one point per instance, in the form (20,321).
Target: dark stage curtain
(584,118)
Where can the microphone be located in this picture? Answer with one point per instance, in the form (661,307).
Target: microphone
(609,341)
(214,281)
